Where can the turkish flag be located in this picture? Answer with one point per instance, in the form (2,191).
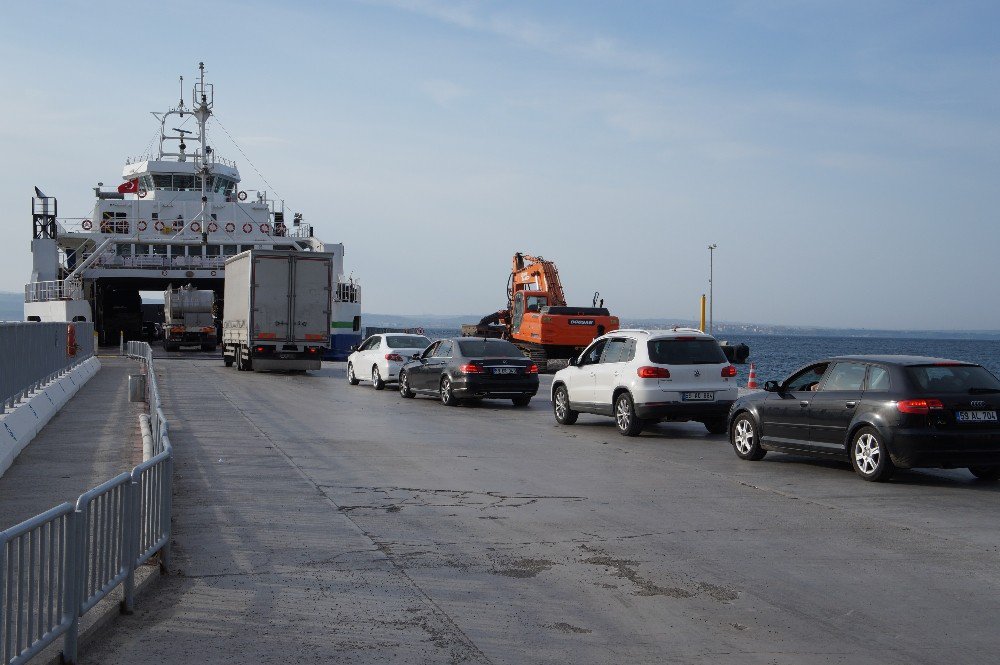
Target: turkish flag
(130,187)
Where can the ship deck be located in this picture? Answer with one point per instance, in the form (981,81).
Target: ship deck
(318,522)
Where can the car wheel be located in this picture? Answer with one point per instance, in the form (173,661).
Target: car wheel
(746,439)
(717,426)
(377,381)
(870,457)
(351,379)
(524,400)
(447,396)
(985,472)
(404,386)
(560,407)
(628,423)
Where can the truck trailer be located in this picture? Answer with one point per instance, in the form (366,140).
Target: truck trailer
(276,314)
(189,318)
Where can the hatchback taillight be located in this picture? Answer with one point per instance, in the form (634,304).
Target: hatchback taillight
(653,373)
(395,357)
(470,369)
(728,371)
(923,406)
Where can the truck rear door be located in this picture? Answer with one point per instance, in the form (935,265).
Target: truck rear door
(271,293)
(311,303)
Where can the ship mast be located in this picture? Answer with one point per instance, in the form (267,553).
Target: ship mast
(203,100)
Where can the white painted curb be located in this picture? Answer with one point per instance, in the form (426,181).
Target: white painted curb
(20,425)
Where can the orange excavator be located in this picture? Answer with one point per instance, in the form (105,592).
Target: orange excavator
(537,319)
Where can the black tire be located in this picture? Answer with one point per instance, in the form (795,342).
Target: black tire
(716,426)
(377,382)
(987,473)
(523,400)
(227,360)
(351,379)
(560,407)
(404,386)
(239,359)
(628,423)
(869,456)
(745,437)
(447,396)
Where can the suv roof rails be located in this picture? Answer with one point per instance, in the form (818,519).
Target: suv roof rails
(628,330)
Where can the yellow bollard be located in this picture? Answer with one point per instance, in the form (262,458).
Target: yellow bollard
(703,312)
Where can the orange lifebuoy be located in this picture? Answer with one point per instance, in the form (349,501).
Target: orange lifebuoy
(87,225)
(158,225)
(212,227)
(141,225)
(196,227)
(70,340)
(230,227)
(242,196)
(265,227)
(248,227)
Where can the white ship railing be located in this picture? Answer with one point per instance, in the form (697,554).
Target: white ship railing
(59,289)
(58,565)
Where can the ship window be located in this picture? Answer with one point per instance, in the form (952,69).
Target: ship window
(159,250)
(162,181)
(183,182)
(230,185)
(212,250)
(141,249)
(146,183)
(156,215)
(229,250)
(123,250)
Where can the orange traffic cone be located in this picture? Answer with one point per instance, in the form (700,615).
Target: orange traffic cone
(752,379)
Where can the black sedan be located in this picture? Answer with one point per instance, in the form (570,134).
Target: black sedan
(470,368)
(879,412)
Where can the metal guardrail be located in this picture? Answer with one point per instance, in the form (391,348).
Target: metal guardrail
(58,565)
(32,354)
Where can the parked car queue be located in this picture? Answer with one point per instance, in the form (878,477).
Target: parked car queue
(879,413)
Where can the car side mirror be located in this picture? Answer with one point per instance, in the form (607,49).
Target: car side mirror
(574,361)
(772,386)
(415,356)
(354,347)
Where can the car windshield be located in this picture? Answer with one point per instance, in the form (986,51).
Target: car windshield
(495,348)
(691,351)
(407,342)
(952,379)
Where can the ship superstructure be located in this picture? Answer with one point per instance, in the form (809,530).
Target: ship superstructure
(175,220)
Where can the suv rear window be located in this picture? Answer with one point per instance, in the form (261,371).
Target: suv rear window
(496,348)
(407,342)
(969,379)
(686,352)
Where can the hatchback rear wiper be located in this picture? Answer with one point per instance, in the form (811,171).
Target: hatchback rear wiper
(983,391)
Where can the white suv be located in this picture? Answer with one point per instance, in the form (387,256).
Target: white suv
(381,356)
(641,376)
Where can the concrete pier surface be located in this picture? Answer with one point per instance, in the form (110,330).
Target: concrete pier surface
(317,522)
(93,438)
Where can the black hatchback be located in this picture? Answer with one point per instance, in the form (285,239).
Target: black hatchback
(879,412)
(470,368)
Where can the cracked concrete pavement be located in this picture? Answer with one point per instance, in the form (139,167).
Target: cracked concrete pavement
(318,522)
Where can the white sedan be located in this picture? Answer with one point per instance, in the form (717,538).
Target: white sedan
(380,357)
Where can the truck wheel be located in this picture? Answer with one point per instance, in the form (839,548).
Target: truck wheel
(239,359)
(377,381)
(228,360)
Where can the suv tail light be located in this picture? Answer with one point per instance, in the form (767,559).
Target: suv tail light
(470,369)
(395,357)
(653,373)
(533,369)
(728,371)
(919,405)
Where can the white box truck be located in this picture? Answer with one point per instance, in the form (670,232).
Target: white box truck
(276,312)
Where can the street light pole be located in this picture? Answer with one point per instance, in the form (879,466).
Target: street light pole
(711,300)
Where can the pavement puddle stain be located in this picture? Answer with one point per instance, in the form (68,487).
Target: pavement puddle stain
(569,628)
(524,568)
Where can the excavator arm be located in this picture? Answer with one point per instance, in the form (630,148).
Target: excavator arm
(534,273)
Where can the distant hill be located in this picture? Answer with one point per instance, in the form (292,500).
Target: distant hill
(11,306)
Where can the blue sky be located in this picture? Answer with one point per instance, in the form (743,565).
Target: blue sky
(844,156)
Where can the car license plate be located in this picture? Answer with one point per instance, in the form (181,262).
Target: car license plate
(505,370)
(976,416)
(286,356)
(697,397)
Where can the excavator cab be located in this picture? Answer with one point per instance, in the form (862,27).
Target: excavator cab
(527,302)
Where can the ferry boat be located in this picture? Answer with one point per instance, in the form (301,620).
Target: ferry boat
(176,218)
